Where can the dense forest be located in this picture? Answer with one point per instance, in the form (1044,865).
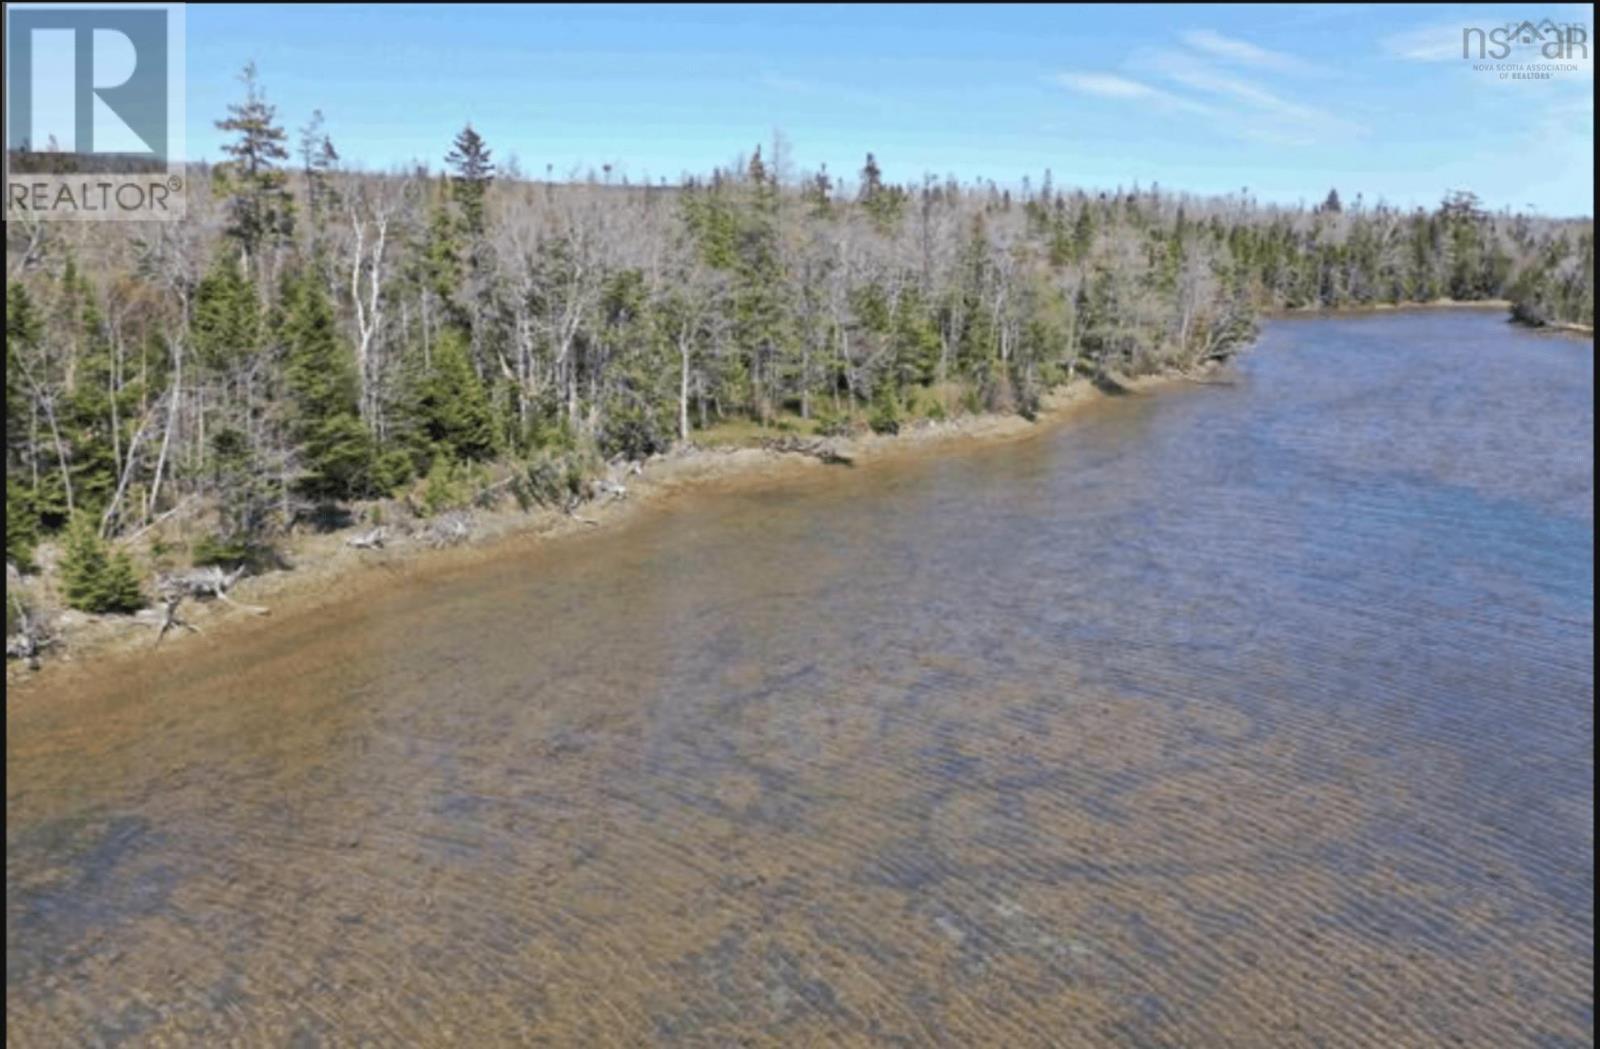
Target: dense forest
(312,338)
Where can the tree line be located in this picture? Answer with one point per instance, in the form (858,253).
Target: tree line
(312,336)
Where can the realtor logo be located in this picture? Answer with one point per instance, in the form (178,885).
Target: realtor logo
(1553,42)
(94,111)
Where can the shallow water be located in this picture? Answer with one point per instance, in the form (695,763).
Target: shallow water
(1256,714)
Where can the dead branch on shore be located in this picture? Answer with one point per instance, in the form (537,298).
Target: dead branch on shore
(570,508)
(208,582)
(372,539)
(448,530)
(606,486)
(30,639)
(818,449)
(170,619)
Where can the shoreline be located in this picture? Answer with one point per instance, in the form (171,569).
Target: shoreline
(1549,327)
(325,570)
(1284,312)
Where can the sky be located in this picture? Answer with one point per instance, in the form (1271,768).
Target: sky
(1285,101)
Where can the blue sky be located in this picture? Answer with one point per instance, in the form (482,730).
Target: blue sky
(1287,101)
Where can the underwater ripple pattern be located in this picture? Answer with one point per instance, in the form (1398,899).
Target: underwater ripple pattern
(1257,714)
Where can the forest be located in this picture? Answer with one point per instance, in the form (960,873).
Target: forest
(312,339)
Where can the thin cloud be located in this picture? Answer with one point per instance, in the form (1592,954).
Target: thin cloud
(1237,106)
(1242,52)
(1439,42)
(1110,85)
(1206,79)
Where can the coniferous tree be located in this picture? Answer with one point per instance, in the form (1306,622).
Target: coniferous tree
(758,304)
(473,172)
(227,317)
(94,578)
(448,407)
(318,159)
(91,414)
(336,449)
(22,525)
(261,209)
(882,203)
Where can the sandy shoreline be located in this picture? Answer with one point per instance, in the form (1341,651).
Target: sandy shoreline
(326,570)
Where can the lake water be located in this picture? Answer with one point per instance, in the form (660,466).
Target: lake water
(1245,714)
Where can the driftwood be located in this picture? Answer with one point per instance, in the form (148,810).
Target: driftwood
(208,582)
(606,486)
(170,619)
(817,449)
(30,640)
(570,508)
(448,529)
(373,539)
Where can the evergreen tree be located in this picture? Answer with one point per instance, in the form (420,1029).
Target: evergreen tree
(23,331)
(449,408)
(469,159)
(226,329)
(22,525)
(883,204)
(91,413)
(759,313)
(261,210)
(318,159)
(336,449)
(93,577)
(1082,233)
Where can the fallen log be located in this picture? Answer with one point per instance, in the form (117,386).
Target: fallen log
(606,486)
(170,619)
(817,449)
(207,582)
(373,539)
(30,640)
(570,508)
(449,529)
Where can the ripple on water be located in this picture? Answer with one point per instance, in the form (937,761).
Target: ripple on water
(1246,715)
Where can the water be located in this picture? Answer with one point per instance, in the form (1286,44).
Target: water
(1252,714)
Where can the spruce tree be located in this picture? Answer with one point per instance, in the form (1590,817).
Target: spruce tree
(335,448)
(759,313)
(448,406)
(93,577)
(227,317)
(318,159)
(261,211)
(23,331)
(22,526)
(469,159)
(96,424)
(883,204)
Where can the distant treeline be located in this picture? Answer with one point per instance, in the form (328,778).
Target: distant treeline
(311,336)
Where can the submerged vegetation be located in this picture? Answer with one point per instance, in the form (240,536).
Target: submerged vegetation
(311,337)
